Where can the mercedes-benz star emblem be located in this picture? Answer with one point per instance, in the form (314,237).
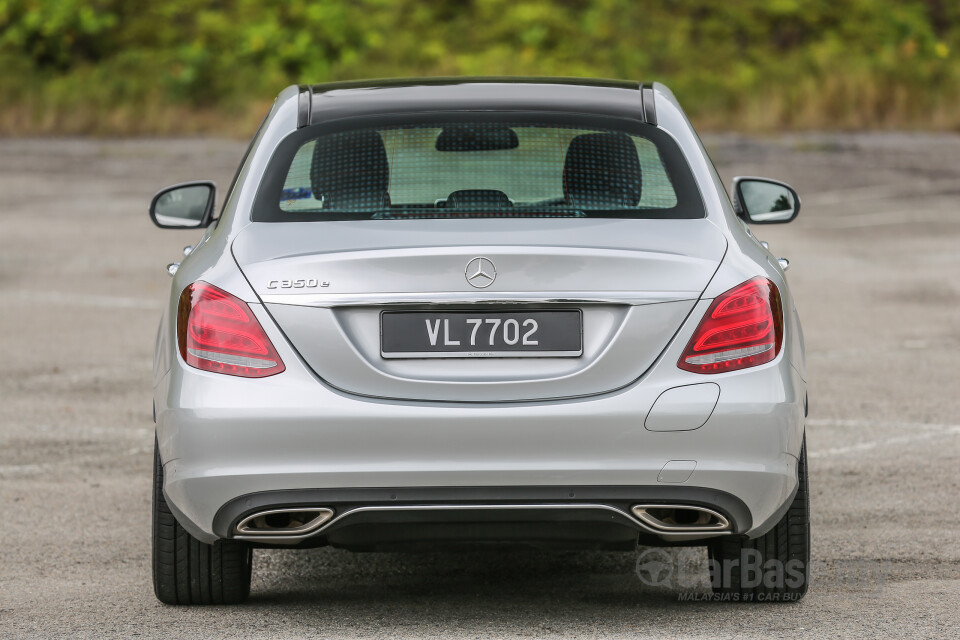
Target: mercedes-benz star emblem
(481,273)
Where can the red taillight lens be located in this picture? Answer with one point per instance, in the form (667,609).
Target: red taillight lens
(742,328)
(217,332)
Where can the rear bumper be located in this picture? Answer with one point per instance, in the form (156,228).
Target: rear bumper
(371,519)
(223,439)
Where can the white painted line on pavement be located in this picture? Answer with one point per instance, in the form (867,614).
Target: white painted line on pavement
(134,367)
(863,220)
(898,191)
(929,431)
(80,299)
(836,422)
(7,470)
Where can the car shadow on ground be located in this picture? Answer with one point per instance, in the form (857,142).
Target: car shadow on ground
(513,579)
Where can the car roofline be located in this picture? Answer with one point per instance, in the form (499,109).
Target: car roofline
(629,98)
(458,80)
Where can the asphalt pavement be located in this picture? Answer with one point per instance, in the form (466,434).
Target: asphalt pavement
(875,270)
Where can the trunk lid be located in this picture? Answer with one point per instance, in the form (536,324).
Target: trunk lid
(326,283)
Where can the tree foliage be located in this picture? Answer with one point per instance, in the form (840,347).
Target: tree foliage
(178,65)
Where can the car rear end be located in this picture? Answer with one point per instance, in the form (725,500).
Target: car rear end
(461,326)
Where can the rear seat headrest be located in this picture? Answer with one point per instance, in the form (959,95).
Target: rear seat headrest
(350,170)
(602,170)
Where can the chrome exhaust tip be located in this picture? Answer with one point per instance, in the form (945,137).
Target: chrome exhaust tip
(297,521)
(680,518)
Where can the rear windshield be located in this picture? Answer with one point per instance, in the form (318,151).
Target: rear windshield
(478,167)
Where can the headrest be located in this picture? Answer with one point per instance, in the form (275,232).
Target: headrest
(350,170)
(602,170)
(476,198)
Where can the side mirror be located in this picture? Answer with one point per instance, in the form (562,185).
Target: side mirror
(188,205)
(763,201)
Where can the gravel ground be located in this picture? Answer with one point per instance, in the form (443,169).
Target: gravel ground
(875,273)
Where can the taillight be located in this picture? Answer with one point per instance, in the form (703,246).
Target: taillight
(218,332)
(742,328)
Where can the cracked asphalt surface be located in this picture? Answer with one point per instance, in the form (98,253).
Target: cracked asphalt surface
(876,274)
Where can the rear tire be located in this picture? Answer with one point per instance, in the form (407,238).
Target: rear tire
(187,571)
(774,567)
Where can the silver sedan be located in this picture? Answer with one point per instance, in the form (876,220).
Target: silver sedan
(473,311)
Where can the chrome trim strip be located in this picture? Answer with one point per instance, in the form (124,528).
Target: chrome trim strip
(729,354)
(478,297)
(480,354)
(227,358)
(662,533)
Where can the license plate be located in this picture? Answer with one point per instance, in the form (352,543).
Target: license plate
(481,334)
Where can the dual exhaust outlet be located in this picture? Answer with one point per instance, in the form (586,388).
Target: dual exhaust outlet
(667,520)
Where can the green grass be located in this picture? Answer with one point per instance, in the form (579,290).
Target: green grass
(135,67)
